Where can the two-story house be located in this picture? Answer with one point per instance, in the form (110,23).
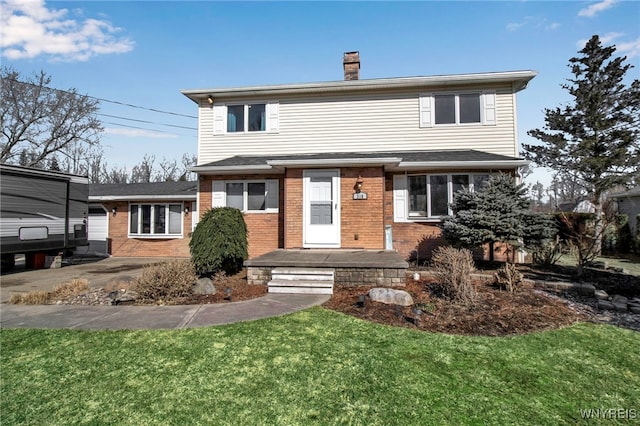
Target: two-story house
(354,164)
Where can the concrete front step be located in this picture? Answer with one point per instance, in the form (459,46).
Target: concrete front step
(301,280)
(300,287)
(308,274)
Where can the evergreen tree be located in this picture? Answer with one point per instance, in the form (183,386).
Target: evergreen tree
(594,139)
(498,213)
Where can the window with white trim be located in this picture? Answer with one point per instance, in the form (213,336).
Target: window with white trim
(253,196)
(155,220)
(245,117)
(427,196)
(457,108)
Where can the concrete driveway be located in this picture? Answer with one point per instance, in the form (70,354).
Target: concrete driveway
(97,271)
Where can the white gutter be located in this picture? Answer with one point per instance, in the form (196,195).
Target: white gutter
(231,169)
(495,164)
(336,161)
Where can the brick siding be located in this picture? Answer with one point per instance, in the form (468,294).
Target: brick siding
(123,246)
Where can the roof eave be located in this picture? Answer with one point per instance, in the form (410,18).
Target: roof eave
(519,79)
(491,164)
(324,162)
(141,197)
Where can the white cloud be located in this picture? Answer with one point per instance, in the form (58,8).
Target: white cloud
(596,8)
(629,49)
(29,29)
(138,133)
(533,21)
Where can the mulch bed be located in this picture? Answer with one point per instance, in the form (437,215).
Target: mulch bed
(496,313)
(240,290)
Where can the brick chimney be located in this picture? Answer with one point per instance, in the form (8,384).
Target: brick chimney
(351,63)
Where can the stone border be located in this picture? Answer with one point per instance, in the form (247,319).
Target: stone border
(352,276)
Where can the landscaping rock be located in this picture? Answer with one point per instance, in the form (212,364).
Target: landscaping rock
(204,286)
(634,307)
(619,299)
(390,296)
(605,305)
(601,295)
(587,289)
(599,264)
(620,303)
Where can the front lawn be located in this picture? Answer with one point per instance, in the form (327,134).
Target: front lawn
(315,367)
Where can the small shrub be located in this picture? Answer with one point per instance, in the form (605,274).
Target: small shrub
(35,297)
(166,281)
(547,253)
(509,278)
(72,288)
(452,268)
(219,242)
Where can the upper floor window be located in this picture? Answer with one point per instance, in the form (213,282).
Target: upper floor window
(158,220)
(244,118)
(450,109)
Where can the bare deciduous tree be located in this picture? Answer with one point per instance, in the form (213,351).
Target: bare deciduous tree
(39,123)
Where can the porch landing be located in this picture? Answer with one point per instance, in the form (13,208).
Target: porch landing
(349,267)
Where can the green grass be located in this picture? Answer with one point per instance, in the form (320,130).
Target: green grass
(631,263)
(314,367)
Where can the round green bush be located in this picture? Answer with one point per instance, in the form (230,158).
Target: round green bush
(219,242)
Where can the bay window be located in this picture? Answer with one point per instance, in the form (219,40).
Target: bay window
(155,220)
(427,196)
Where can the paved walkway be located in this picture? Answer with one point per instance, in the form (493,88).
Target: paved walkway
(153,317)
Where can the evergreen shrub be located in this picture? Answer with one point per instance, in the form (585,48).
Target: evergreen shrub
(219,242)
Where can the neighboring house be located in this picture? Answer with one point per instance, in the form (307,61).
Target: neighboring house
(583,206)
(629,204)
(354,164)
(142,219)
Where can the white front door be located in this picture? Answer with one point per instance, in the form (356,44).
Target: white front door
(321,208)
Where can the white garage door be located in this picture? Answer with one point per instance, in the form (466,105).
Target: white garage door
(97,229)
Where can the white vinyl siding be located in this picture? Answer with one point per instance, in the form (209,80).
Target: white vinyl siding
(363,123)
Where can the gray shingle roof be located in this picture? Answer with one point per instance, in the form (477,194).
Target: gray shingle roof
(155,189)
(406,156)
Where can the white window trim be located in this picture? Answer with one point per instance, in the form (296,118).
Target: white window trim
(427,108)
(219,196)
(271,125)
(402,200)
(151,236)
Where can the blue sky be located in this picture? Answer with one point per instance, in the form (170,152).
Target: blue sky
(143,53)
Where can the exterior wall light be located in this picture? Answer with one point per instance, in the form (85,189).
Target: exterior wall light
(114,211)
(359,183)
